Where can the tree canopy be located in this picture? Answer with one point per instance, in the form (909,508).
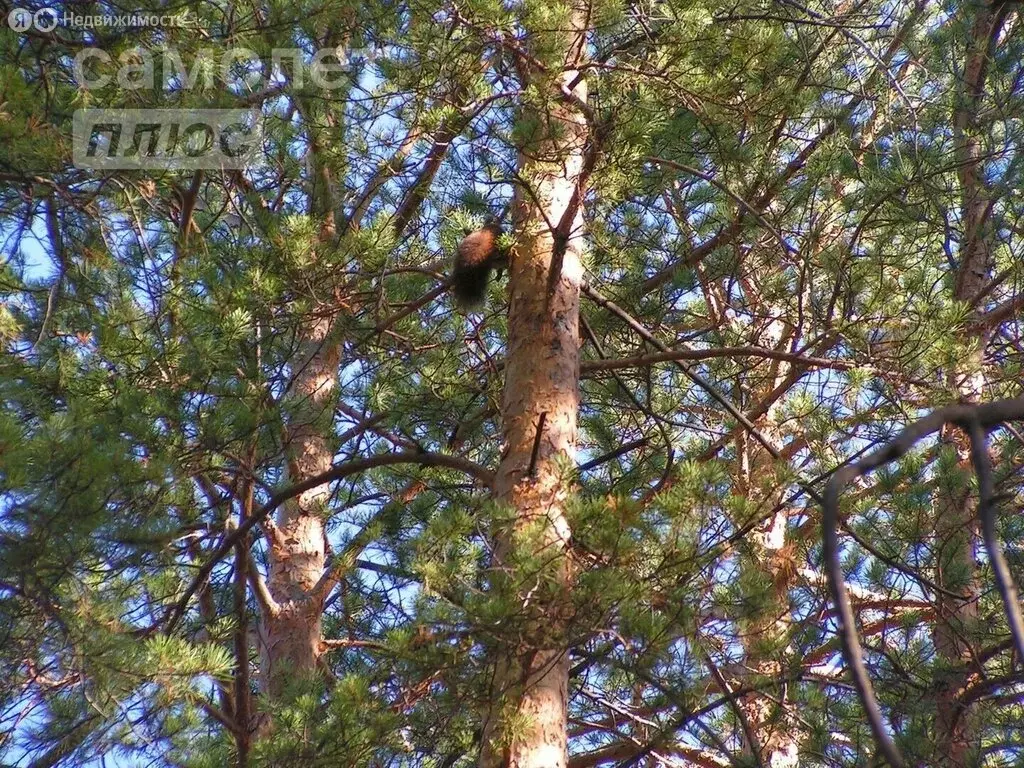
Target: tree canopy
(268,497)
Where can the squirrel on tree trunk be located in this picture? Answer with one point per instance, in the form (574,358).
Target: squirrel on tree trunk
(476,256)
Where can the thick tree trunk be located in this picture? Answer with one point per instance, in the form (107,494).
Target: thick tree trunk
(526,721)
(956,525)
(772,720)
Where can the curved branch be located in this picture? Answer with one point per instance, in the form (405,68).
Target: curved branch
(986,511)
(975,419)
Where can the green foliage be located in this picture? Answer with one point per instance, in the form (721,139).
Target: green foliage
(147,374)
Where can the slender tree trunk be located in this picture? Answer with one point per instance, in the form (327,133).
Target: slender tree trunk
(956,525)
(291,633)
(290,628)
(771,721)
(526,721)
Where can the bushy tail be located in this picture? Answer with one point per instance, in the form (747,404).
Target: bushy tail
(474,260)
(469,282)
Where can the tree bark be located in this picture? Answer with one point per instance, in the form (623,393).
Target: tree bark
(526,719)
(772,731)
(956,524)
(290,629)
(291,633)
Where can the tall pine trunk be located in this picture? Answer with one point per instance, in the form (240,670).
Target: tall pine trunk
(772,733)
(291,629)
(291,640)
(526,721)
(956,524)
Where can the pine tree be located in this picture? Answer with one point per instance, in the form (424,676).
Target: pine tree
(270,497)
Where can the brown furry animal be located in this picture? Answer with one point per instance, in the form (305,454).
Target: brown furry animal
(476,256)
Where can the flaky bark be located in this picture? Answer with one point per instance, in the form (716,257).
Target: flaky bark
(956,525)
(526,721)
(291,633)
(290,627)
(291,641)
